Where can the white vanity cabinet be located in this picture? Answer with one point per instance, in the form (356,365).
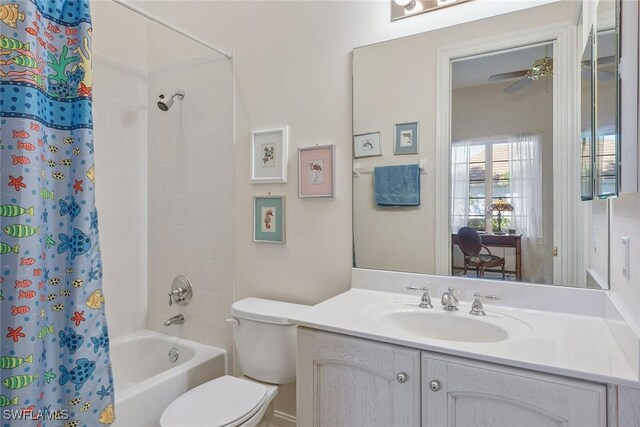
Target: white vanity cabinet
(346,382)
(349,382)
(464,393)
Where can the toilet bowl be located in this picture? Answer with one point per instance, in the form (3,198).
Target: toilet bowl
(266,351)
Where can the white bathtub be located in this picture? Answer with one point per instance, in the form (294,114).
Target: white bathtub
(146,381)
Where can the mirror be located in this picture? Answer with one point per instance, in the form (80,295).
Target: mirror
(587,122)
(508,179)
(606,89)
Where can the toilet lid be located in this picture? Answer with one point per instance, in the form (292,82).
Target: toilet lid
(225,401)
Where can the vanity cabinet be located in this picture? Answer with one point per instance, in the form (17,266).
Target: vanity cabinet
(463,393)
(347,381)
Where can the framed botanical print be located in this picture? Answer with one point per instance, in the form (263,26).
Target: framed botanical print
(268,219)
(316,171)
(269,151)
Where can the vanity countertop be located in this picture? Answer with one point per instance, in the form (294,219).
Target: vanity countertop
(572,345)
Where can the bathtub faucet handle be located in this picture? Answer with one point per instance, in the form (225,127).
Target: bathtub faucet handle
(176,293)
(181,291)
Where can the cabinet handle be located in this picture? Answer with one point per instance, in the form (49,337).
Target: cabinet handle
(434,385)
(402,377)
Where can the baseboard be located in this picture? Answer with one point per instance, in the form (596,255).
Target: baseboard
(281,419)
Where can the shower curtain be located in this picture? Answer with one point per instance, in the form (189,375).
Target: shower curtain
(54,342)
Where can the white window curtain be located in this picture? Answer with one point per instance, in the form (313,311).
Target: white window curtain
(525,180)
(459,185)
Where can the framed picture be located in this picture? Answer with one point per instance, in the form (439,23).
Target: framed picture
(268,219)
(406,138)
(316,171)
(367,145)
(269,155)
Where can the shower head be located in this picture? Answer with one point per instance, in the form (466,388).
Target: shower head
(165,103)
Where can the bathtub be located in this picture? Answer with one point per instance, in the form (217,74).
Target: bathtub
(147,381)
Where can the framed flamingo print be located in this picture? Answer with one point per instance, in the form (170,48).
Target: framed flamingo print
(316,171)
(268,219)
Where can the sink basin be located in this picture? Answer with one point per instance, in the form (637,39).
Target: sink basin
(437,324)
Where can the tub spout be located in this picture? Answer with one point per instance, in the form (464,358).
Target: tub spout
(175,320)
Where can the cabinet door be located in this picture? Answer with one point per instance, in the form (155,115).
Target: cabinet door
(349,382)
(474,394)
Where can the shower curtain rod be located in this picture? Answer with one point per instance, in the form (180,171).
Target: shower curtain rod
(171,27)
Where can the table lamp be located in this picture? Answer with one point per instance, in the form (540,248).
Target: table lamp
(500,206)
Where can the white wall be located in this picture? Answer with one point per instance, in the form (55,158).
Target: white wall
(191,182)
(625,222)
(120,140)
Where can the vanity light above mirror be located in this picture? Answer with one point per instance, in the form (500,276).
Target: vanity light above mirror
(406,8)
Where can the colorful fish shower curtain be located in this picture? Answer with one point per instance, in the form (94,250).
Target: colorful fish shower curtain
(54,344)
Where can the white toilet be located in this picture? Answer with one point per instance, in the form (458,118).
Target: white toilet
(266,352)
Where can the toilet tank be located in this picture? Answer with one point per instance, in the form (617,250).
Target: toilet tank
(265,339)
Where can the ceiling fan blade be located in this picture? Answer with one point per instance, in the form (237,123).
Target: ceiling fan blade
(518,85)
(507,76)
(606,60)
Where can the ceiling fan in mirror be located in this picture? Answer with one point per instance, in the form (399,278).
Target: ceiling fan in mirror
(540,68)
(543,67)
(585,68)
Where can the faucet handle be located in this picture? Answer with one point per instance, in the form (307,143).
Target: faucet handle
(477,309)
(491,297)
(177,293)
(425,301)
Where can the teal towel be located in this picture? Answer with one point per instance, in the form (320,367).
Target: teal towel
(397,185)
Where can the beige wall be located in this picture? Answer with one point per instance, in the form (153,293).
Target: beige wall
(293,67)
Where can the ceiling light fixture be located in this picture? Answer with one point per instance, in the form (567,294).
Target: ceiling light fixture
(413,8)
(405,8)
(405,3)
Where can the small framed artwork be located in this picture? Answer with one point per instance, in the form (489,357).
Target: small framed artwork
(316,171)
(367,145)
(269,155)
(406,138)
(268,219)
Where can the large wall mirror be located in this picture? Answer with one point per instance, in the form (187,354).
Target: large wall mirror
(497,188)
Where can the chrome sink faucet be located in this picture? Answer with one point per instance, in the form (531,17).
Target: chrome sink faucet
(449,300)
(425,301)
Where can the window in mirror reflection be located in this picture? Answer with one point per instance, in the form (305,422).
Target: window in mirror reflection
(506,168)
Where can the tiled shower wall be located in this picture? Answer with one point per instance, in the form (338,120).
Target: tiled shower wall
(120,141)
(191,180)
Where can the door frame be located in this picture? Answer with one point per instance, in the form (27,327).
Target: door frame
(567,214)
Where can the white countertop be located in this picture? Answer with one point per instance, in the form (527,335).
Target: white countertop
(573,345)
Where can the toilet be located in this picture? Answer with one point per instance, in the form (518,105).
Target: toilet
(266,353)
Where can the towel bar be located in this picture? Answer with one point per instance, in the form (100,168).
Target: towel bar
(357,170)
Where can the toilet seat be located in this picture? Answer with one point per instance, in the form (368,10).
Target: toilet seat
(226,401)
